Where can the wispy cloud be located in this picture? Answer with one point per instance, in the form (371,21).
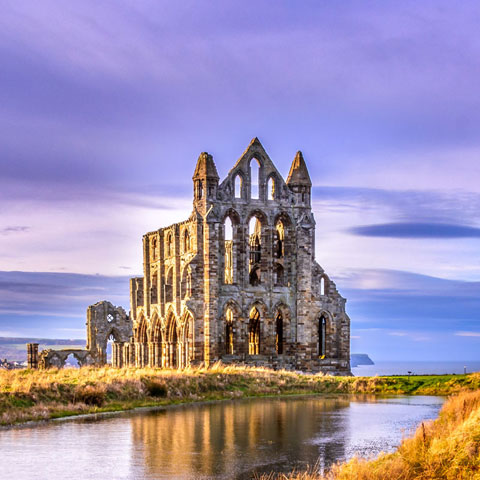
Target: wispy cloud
(467,334)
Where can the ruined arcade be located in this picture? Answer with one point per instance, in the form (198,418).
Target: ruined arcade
(237,281)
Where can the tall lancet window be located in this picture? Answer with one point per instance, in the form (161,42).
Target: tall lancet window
(229,332)
(322,337)
(254,178)
(228,251)
(255,248)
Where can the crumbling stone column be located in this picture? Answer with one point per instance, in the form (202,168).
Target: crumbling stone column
(155,354)
(32,355)
(117,354)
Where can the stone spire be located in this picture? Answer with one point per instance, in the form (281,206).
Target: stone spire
(298,175)
(205,168)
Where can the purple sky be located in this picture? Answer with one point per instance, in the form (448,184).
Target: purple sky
(105,106)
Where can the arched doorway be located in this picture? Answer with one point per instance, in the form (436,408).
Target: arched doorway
(254,332)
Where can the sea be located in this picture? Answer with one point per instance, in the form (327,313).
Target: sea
(417,368)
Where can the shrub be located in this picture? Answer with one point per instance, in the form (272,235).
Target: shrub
(155,389)
(90,395)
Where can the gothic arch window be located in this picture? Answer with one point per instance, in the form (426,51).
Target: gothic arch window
(254,332)
(228,228)
(279,246)
(254,178)
(142,331)
(229,347)
(172,342)
(322,336)
(271,189)
(279,334)
(255,250)
(168,287)
(154,248)
(169,245)
(154,288)
(238,184)
(186,241)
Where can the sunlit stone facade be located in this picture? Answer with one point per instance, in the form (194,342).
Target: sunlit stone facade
(238,281)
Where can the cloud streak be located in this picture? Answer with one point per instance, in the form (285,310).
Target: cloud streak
(14,229)
(416,230)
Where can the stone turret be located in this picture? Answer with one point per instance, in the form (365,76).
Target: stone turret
(299,181)
(205,182)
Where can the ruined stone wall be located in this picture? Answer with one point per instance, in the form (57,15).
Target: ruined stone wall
(105,322)
(180,307)
(237,282)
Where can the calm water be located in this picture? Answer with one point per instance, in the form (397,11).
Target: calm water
(218,441)
(418,368)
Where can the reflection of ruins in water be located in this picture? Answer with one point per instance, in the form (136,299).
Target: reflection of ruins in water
(232,440)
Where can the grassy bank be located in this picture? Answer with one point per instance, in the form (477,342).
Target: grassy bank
(447,448)
(35,395)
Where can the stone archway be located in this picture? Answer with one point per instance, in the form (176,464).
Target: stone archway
(171,353)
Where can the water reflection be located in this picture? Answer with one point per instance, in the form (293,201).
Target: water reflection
(219,441)
(234,440)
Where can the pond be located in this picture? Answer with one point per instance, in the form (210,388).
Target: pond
(223,440)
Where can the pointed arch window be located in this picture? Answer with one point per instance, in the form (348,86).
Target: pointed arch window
(254,332)
(322,337)
(229,332)
(271,189)
(154,248)
(169,245)
(154,288)
(228,274)
(255,249)
(279,334)
(186,241)
(254,178)
(168,287)
(238,186)
(279,240)
(186,284)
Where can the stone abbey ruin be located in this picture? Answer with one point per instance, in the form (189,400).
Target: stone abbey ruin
(237,282)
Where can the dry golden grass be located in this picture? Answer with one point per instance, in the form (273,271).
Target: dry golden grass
(42,394)
(447,448)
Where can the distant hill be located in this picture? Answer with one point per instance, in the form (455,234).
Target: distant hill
(357,359)
(15,348)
